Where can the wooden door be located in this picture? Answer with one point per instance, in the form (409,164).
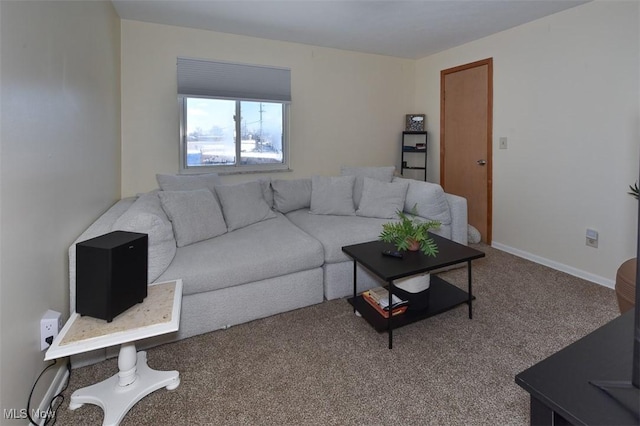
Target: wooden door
(466,106)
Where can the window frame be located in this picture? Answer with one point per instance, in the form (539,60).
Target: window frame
(238,167)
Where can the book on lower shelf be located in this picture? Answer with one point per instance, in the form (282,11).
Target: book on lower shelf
(381,296)
(399,306)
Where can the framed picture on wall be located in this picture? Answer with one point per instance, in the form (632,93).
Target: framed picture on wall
(415,122)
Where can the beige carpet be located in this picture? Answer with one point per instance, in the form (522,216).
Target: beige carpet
(322,365)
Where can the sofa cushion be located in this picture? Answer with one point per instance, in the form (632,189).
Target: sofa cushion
(267,191)
(195,215)
(266,249)
(146,216)
(334,232)
(188,182)
(289,195)
(332,195)
(383,174)
(381,199)
(428,198)
(243,204)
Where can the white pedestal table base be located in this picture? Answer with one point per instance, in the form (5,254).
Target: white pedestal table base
(117,394)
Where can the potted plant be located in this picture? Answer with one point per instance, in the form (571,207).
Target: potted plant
(634,190)
(626,285)
(410,233)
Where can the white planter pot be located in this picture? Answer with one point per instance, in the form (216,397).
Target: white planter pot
(414,284)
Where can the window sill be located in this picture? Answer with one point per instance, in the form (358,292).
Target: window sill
(223,171)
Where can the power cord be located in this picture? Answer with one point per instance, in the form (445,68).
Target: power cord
(51,412)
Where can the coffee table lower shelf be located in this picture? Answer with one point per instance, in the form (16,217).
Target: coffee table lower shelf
(443,296)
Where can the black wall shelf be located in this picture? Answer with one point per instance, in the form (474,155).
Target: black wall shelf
(412,149)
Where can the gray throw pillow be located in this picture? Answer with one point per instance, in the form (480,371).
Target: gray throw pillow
(146,216)
(196,215)
(267,191)
(383,174)
(243,204)
(332,195)
(382,199)
(188,182)
(290,195)
(429,199)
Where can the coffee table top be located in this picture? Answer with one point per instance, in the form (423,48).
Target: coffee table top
(390,268)
(562,381)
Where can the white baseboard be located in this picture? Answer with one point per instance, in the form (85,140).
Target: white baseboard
(58,383)
(556,265)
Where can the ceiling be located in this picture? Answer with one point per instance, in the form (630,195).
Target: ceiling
(406,29)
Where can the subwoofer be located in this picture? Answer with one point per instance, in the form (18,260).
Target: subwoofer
(111,274)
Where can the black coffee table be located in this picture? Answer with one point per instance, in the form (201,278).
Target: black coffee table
(560,386)
(441,295)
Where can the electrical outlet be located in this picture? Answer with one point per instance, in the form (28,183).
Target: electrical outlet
(592,238)
(50,326)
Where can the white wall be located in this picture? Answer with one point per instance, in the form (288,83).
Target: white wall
(347,107)
(566,95)
(59,167)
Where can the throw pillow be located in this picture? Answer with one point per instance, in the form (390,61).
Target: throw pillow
(290,195)
(196,215)
(383,174)
(146,216)
(382,199)
(188,182)
(267,191)
(429,199)
(243,204)
(332,195)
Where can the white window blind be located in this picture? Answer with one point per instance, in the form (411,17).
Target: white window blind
(198,77)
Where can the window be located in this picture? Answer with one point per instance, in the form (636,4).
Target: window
(233,117)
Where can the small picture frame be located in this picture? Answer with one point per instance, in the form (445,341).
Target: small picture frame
(415,122)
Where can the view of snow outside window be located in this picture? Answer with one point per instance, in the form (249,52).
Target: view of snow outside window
(212,138)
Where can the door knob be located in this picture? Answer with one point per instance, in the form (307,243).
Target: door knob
(482,162)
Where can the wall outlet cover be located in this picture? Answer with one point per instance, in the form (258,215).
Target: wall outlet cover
(50,326)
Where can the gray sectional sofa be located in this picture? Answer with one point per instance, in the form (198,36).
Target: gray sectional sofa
(251,250)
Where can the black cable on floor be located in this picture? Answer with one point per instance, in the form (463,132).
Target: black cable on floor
(51,412)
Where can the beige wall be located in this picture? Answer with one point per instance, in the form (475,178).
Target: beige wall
(566,95)
(59,167)
(347,108)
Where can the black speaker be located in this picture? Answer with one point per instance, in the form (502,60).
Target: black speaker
(111,274)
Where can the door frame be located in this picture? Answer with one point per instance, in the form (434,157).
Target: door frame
(489,63)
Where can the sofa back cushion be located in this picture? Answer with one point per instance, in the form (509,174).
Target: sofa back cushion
(332,195)
(243,204)
(290,195)
(188,182)
(383,174)
(267,191)
(146,216)
(429,200)
(195,215)
(382,199)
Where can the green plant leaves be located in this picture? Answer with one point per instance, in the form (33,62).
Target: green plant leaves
(634,190)
(410,228)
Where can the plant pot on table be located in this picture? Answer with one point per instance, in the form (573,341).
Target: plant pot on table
(414,289)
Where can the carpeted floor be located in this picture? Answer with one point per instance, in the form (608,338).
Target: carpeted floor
(322,365)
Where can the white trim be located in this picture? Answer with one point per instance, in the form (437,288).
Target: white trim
(556,265)
(56,386)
